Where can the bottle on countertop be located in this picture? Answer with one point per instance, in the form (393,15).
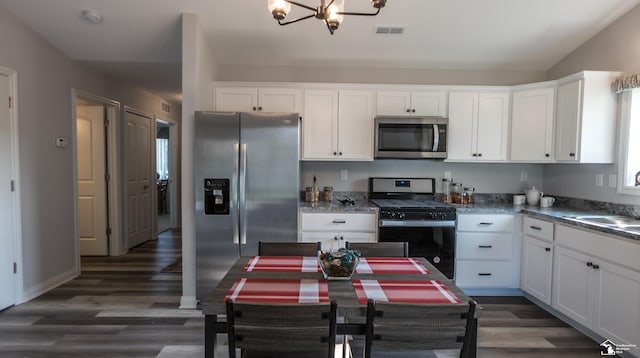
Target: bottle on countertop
(316,191)
(328,193)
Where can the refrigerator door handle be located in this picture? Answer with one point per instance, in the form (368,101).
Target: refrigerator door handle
(234,196)
(243,190)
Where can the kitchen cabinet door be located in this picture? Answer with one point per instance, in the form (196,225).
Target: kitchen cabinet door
(478,126)
(328,240)
(537,268)
(532,125)
(418,103)
(246,99)
(618,304)
(572,285)
(320,125)
(586,118)
(355,125)
(236,99)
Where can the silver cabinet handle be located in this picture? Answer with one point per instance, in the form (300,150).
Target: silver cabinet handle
(339,221)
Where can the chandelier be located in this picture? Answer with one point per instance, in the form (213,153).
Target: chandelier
(330,11)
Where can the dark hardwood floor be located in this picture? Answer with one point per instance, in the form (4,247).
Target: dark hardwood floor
(127,307)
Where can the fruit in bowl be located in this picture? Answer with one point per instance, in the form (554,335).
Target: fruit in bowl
(338,264)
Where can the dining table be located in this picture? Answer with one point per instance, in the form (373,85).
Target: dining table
(298,279)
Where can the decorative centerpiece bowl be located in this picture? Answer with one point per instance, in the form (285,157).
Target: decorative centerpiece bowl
(338,264)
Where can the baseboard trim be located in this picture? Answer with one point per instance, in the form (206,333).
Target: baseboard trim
(188,302)
(48,285)
(484,291)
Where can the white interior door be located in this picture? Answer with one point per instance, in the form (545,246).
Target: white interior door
(92,187)
(7,277)
(138,161)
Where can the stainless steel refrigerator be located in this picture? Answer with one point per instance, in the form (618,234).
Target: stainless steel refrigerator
(247,187)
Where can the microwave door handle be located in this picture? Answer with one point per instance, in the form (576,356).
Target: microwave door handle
(436,137)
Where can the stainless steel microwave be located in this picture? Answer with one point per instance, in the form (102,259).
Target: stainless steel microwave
(411,137)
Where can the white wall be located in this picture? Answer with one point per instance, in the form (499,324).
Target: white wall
(485,178)
(199,69)
(377,75)
(45,79)
(615,48)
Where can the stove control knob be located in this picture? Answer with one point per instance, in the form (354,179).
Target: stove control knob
(392,214)
(433,216)
(401,216)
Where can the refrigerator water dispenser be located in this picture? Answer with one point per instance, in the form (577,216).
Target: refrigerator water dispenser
(216,196)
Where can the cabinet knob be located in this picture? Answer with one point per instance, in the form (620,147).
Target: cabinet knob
(408,110)
(479,154)
(335,238)
(589,263)
(259,108)
(572,154)
(339,153)
(547,249)
(413,110)
(474,155)
(595,267)
(341,238)
(255,108)
(547,155)
(335,153)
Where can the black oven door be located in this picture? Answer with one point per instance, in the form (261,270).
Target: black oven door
(436,244)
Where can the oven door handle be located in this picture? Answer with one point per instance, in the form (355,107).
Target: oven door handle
(416,223)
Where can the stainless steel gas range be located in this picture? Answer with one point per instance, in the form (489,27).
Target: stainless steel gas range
(408,212)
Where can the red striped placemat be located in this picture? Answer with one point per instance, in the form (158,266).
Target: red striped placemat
(431,291)
(282,264)
(390,265)
(279,290)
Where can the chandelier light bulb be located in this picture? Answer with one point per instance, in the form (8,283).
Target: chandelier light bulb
(279,8)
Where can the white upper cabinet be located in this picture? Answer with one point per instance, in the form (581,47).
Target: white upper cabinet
(478,126)
(246,99)
(586,114)
(532,125)
(338,125)
(417,103)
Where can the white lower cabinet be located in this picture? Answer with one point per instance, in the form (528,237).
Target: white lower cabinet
(485,251)
(594,290)
(537,258)
(333,230)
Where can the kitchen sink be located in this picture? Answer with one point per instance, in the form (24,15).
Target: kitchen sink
(612,221)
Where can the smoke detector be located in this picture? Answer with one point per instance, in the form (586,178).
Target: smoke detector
(92,17)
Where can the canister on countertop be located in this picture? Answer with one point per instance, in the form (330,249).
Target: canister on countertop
(469,197)
(456,193)
(446,190)
(328,193)
(309,194)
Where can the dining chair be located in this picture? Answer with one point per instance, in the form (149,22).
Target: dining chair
(380,249)
(281,330)
(407,330)
(288,248)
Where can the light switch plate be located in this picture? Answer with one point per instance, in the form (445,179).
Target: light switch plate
(344,174)
(613,180)
(524,175)
(599,179)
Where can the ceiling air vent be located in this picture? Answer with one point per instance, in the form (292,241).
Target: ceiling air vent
(389,30)
(166,107)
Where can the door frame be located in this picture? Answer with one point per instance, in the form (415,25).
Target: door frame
(174,155)
(16,203)
(112,114)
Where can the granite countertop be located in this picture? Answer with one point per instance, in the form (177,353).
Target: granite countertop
(336,206)
(555,214)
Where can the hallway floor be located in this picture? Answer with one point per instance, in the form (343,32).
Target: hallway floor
(126,307)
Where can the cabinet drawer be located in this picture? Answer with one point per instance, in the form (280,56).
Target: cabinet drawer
(538,228)
(483,273)
(338,222)
(478,246)
(489,223)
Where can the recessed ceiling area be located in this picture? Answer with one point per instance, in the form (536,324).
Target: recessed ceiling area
(141,40)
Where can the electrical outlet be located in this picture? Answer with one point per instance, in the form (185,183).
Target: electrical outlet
(344,174)
(447,174)
(524,175)
(613,180)
(599,179)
